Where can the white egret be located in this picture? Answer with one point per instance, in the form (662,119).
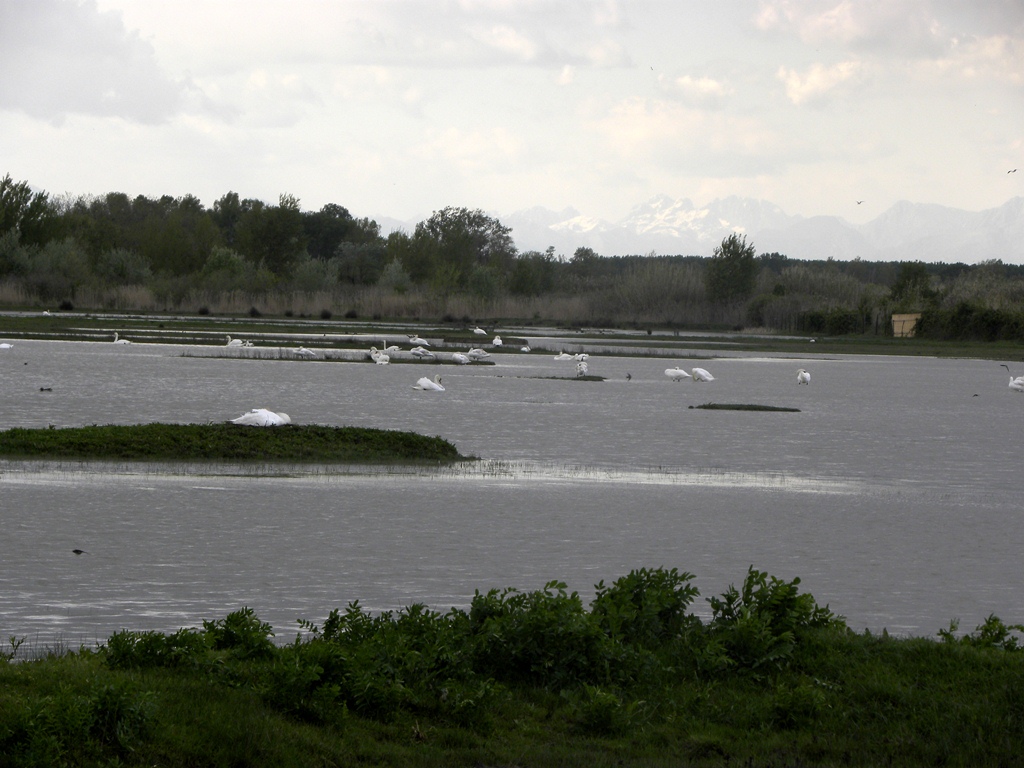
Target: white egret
(1016,384)
(478,354)
(497,341)
(676,374)
(261,417)
(460,358)
(803,377)
(699,374)
(433,385)
(415,339)
(119,340)
(233,342)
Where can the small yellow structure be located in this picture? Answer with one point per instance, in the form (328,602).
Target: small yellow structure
(903,326)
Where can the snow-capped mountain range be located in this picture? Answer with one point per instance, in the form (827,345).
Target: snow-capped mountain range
(667,226)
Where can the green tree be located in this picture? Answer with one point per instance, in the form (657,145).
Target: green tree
(466,239)
(395,277)
(731,274)
(57,270)
(26,212)
(533,273)
(272,236)
(360,263)
(912,287)
(120,266)
(326,229)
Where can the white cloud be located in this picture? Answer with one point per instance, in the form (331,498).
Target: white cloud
(994,58)
(704,91)
(903,26)
(819,80)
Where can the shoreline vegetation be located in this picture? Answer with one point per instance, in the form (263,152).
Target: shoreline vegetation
(528,679)
(227,442)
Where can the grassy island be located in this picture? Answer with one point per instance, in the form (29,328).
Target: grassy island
(227,442)
(528,679)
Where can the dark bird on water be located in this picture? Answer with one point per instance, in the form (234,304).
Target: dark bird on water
(79,551)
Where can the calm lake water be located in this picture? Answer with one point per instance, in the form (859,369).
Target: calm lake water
(894,493)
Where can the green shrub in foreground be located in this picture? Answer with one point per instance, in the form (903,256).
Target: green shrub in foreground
(530,678)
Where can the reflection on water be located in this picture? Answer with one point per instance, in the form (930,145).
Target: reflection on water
(891,493)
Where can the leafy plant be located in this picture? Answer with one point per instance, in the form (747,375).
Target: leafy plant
(993,633)
(756,628)
(134,650)
(646,607)
(545,636)
(241,633)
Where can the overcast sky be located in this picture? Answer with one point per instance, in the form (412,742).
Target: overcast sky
(402,108)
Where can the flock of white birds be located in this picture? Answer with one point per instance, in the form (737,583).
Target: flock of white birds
(262,417)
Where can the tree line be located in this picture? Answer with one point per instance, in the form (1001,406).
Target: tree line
(115,251)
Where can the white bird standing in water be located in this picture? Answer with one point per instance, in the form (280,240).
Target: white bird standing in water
(676,374)
(1016,384)
(261,417)
(699,374)
(803,377)
(433,385)
(120,341)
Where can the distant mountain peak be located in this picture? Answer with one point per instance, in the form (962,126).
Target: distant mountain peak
(906,231)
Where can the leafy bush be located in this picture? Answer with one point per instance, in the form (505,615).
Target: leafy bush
(757,628)
(241,633)
(134,650)
(544,637)
(110,718)
(415,658)
(992,634)
(646,607)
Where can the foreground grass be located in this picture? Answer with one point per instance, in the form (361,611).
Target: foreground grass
(529,679)
(228,442)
